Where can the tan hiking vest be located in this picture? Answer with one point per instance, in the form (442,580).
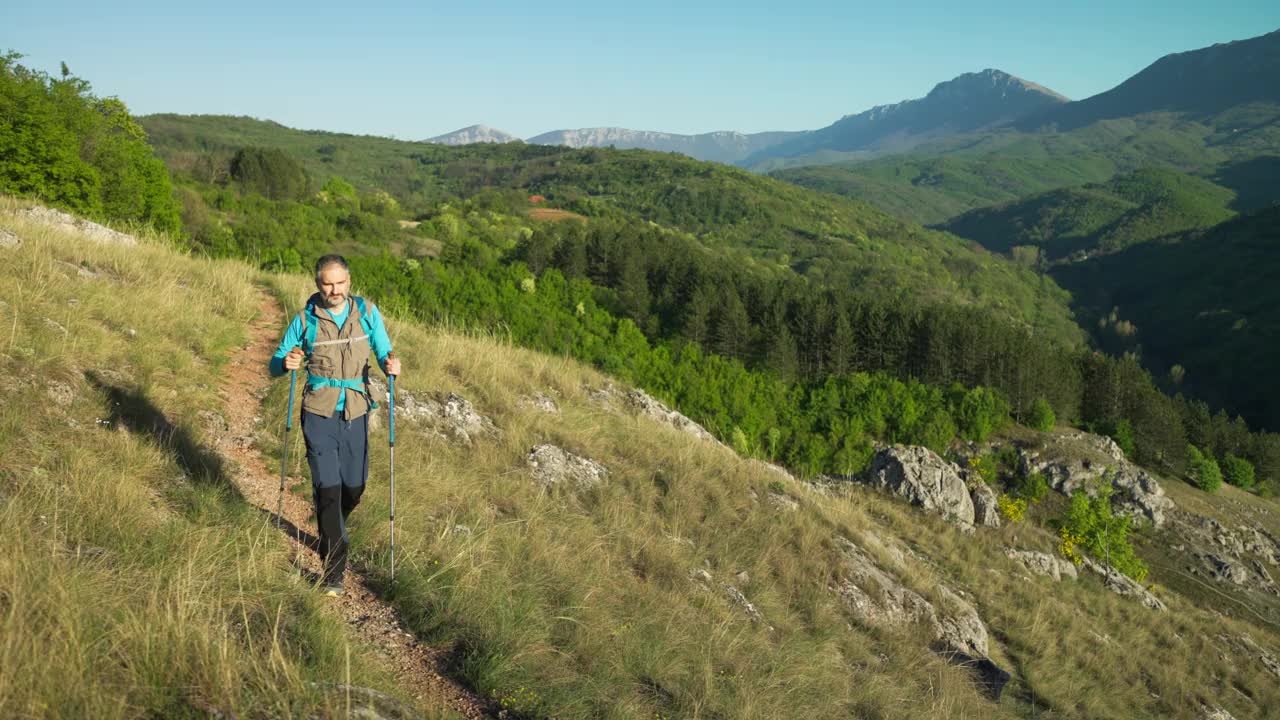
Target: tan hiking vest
(338,362)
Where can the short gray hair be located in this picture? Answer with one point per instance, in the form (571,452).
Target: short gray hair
(328,260)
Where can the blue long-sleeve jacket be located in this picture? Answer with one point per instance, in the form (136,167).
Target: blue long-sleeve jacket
(378,340)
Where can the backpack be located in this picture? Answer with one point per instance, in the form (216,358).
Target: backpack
(309,317)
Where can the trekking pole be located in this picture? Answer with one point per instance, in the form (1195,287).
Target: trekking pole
(391,414)
(284,454)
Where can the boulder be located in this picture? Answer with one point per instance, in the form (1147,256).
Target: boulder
(1043,563)
(554,466)
(9,239)
(1121,584)
(919,475)
(986,511)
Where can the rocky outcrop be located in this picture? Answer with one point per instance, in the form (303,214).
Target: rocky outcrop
(553,466)
(9,239)
(876,598)
(445,415)
(919,475)
(539,401)
(1236,557)
(1043,563)
(1073,461)
(641,403)
(1121,584)
(65,221)
(986,511)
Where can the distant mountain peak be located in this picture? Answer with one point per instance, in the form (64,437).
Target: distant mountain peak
(965,103)
(474,134)
(721,146)
(991,81)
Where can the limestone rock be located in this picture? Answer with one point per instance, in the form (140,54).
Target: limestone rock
(444,414)
(9,239)
(1225,570)
(737,598)
(60,393)
(1074,460)
(1122,584)
(877,598)
(641,403)
(1043,563)
(539,401)
(783,501)
(1212,712)
(554,466)
(986,511)
(923,478)
(65,221)
(959,627)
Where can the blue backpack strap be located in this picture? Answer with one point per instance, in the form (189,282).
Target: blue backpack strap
(366,322)
(309,328)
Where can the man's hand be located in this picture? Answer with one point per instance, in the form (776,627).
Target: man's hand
(393,364)
(293,360)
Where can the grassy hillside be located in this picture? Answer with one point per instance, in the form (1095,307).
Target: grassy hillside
(604,601)
(1205,300)
(936,183)
(136,582)
(1099,217)
(744,218)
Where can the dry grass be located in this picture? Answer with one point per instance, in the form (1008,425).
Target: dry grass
(135,582)
(581,604)
(139,587)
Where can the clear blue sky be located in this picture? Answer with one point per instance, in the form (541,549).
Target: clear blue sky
(414,70)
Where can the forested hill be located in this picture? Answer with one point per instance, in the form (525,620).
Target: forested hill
(1213,111)
(772,225)
(1098,217)
(1204,302)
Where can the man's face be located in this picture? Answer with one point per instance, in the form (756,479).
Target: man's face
(334,282)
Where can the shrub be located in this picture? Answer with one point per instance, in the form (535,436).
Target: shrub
(985,467)
(1012,509)
(1042,417)
(1031,488)
(980,412)
(1090,523)
(1238,471)
(1203,469)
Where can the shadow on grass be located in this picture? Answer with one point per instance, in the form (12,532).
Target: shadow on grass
(129,408)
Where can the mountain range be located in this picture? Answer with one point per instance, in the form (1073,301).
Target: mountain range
(969,102)
(1199,83)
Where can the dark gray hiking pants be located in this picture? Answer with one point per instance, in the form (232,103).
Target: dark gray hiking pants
(338,453)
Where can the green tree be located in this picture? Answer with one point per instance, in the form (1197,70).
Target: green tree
(1238,471)
(1042,417)
(270,172)
(1203,469)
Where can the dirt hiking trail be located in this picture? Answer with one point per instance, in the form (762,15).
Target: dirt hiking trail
(419,667)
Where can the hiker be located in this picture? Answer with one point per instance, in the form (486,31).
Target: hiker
(334,333)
